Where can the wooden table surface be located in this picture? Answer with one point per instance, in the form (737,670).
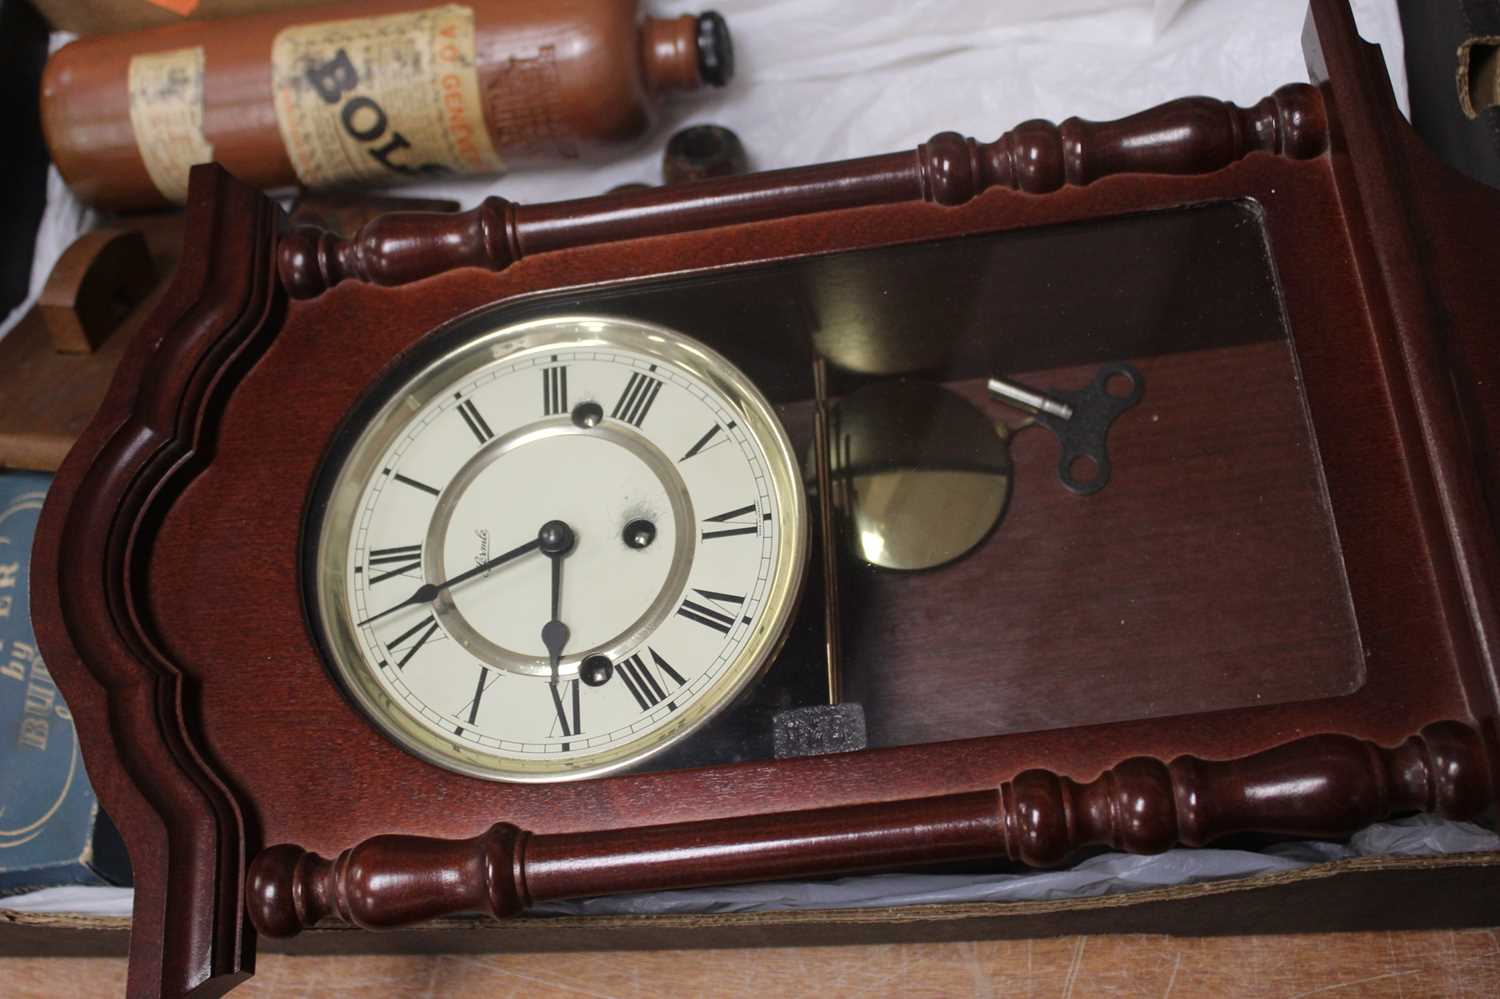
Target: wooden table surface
(1460,963)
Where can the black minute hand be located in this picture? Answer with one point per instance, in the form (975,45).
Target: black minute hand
(427,592)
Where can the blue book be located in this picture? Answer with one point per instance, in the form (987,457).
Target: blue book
(52,831)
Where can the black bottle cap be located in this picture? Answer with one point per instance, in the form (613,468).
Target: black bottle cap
(715,49)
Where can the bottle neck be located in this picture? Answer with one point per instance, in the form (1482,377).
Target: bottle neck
(684,53)
(669,53)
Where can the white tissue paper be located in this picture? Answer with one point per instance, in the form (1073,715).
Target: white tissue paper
(822,80)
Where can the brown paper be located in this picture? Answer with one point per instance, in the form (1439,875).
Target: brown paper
(381,98)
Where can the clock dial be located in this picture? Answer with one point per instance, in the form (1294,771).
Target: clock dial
(559,548)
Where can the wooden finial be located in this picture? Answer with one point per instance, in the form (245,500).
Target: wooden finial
(387,881)
(399,247)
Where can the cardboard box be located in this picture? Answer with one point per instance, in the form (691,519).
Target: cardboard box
(1374,893)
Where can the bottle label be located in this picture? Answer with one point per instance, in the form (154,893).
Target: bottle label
(166,115)
(381,98)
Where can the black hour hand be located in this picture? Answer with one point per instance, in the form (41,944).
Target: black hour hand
(557,541)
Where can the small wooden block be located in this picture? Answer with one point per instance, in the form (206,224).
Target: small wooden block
(48,396)
(95,284)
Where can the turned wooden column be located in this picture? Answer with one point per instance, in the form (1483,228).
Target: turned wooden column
(1188,136)
(1321,786)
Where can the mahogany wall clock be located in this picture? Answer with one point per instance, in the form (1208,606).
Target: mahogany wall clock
(648,540)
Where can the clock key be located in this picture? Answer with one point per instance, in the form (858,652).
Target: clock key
(1080,420)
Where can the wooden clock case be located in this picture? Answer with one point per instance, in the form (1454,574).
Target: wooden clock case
(166,565)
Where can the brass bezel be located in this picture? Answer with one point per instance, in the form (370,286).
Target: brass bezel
(505,345)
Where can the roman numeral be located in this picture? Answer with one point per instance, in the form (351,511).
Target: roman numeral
(560,698)
(554,391)
(710,616)
(427,626)
(708,440)
(404,558)
(479,689)
(643,685)
(733,517)
(486,680)
(470,413)
(635,402)
(415,484)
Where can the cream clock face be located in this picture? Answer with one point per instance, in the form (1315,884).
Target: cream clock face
(559,548)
